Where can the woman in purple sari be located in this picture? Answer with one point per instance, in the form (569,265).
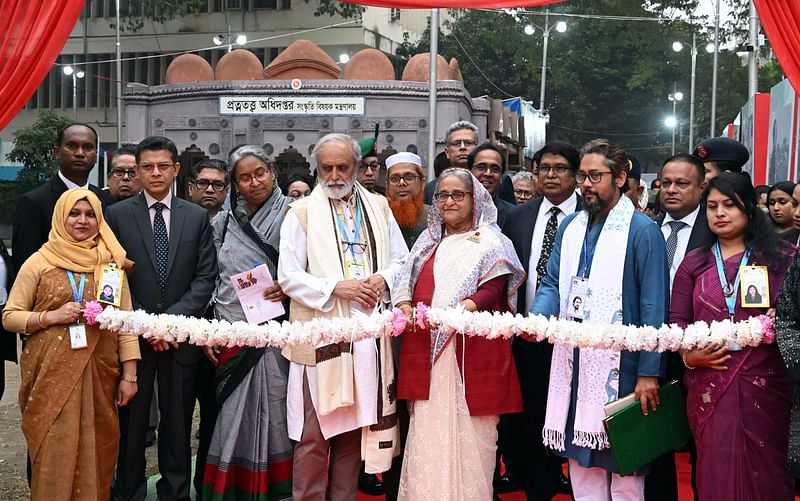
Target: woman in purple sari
(738,399)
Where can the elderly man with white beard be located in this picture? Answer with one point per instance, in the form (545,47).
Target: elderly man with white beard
(340,248)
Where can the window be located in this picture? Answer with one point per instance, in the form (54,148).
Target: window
(394,14)
(265,4)
(233,4)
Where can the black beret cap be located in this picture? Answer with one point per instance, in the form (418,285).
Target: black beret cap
(722,149)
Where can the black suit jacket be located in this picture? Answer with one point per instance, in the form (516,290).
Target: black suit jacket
(8,340)
(192,265)
(700,236)
(34,216)
(518,227)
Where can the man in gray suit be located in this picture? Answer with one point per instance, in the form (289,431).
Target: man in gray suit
(171,242)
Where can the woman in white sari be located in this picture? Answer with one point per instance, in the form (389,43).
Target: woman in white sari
(457,387)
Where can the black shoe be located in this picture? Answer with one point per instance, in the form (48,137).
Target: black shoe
(370,484)
(507,483)
(564,487)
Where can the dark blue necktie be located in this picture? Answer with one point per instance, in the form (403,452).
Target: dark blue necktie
(547,244)
(161,243)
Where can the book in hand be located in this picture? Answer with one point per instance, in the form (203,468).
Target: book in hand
(637,439)
(249,287)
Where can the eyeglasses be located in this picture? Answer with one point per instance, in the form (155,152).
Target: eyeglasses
(456,196)
(260,175)
(594,176)
(463,143)
(148,167)
(408,178)
(481,168)
(354,247)
(558,169)
(203,184)
(372,165)
(523,194)
(120,173)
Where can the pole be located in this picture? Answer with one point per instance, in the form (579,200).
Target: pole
(752,60)
(119,83)
(674,111)
(544,59)
(714,74)
(74,95)
(432,92)
(691,92)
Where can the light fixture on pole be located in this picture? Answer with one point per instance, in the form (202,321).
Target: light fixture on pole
(75,74)
(677,47)
(672,122)
(344,58)
(530,29)
(228,39)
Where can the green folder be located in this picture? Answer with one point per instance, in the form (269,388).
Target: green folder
(637,439)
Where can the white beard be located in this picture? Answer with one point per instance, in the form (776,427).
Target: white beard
(338,192)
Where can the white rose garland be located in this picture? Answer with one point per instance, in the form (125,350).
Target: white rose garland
(491,325)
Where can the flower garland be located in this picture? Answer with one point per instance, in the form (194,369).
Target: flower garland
(491,325)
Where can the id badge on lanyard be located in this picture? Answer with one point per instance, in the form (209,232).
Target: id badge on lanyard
(77,331)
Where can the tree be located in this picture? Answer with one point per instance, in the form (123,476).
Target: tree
(605,77)
(33,148)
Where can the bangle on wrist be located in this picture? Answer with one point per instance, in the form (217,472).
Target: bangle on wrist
(40,319)
(685,363)
(131,378)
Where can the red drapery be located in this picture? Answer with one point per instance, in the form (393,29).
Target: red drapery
(781,21)
(32,35)
(454,4)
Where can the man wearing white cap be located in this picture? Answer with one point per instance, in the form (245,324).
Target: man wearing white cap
(405,179)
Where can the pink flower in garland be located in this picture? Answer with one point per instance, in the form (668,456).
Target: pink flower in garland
(91,311)
(421,315)
(398,322)
(768,329)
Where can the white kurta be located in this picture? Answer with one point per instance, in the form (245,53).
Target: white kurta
(316,293)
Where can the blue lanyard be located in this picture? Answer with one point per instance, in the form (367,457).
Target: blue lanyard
(77,293)
(588,257)
(357,227)
(729,290)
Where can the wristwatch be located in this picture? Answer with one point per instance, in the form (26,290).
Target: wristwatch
(129,377)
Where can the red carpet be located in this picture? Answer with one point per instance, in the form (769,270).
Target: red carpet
(684,485)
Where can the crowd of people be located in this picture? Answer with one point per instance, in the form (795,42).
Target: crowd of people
(439,416)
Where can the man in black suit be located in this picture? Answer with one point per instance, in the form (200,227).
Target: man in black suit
(76,154)
(531,227)
(8,340)
(171,242)
(685,227)
(487,163)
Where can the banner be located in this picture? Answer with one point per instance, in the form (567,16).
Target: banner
(289,105)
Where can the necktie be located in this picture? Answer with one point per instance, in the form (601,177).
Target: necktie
(547,244)
(161,243)
(672,239)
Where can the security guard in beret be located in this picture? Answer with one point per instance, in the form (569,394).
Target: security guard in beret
(369,169)
(720,154)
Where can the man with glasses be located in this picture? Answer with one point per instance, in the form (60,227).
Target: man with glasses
(525,187)
(209,185)
(76,154)
(369,167)
(340,248)
(176,269)
(614,258)
(487,163)
(462,139)
(405,179)
(122,180)
(532,227)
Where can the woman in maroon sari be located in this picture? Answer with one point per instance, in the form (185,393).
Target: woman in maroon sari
(738,398)
(456,387)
